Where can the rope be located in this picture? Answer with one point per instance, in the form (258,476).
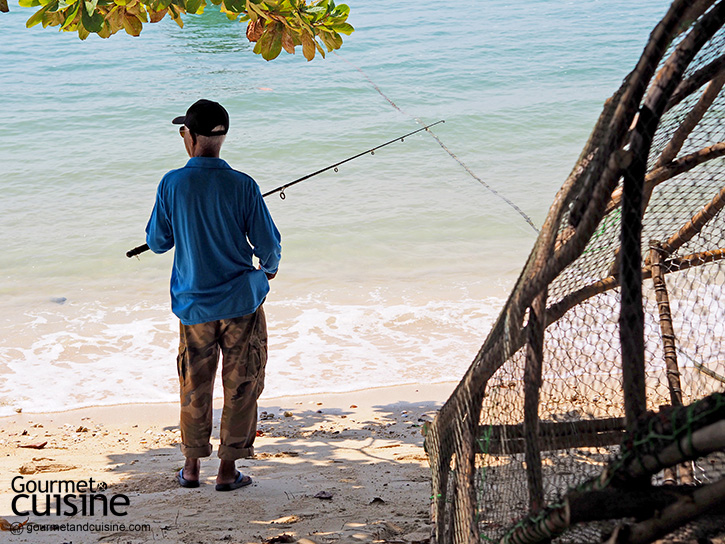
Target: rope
(443,146)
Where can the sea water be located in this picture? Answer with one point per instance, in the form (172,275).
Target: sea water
(394,268)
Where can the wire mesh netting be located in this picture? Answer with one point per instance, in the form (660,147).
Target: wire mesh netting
(595,409)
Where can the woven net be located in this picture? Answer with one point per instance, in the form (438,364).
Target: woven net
(595,409)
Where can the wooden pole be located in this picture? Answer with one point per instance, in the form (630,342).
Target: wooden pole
(666,327)
(631,316)
(532,388)
(668,337)
(670,349)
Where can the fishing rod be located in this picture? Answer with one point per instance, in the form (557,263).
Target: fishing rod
(281,189)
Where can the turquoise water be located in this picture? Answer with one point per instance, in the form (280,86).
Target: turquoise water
(393,268)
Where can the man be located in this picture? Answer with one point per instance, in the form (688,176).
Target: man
(217,220)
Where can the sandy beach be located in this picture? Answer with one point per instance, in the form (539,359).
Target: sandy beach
(344,467)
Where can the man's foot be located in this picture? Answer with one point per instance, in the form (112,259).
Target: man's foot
(229,478)
(227,473)
(189,475)
(240,481)
(183,482)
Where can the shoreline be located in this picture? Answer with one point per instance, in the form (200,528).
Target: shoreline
(364,448)
(217,400)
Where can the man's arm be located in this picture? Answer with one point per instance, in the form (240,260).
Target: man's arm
(159,236)
(264,236)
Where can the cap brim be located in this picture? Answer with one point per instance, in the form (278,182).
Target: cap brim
(179,120)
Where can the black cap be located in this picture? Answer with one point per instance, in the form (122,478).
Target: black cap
(203,117)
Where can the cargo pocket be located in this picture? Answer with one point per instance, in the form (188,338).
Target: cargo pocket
(257,363)
(182,362)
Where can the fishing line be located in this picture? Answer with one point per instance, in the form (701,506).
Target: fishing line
(445,148)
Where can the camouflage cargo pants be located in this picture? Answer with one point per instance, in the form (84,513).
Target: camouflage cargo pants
(243,345)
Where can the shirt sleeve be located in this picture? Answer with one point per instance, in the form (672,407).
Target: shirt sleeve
(159,235)
(263,234)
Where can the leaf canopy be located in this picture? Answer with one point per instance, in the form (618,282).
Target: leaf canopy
(273,25)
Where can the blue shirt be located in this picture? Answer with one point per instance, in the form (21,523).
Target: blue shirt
(217,219)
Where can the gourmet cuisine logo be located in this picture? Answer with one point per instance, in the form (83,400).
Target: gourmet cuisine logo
(65,498)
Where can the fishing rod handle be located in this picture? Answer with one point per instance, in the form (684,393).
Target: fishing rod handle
(137,251)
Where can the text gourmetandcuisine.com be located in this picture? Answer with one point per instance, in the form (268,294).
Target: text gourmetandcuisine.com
(65,498)
(86,527)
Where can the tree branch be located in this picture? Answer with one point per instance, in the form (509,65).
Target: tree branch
(273,25)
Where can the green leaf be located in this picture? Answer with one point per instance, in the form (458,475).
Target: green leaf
(132,25)
(154,16)
(235,6)
(91,7)
(345,28)
(28,3)
(92,22)
(332,40)
(271,41)
(37,16)
(288,41)
(174,12)
(107,31)
(70,15)
(308,45)
(343,10)
(259,11)
(53,18)
(195,6)
(114,20)
(159,5)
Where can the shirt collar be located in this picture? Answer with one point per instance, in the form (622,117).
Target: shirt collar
(207,162)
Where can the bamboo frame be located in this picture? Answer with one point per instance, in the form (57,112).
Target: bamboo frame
(556,311)
(670,349)
(696,224)
(687,508)
(532,388)
(583,198)
(671,170)
(694,116)
(511,439)
(666,328)
(696,80)
(682,236)
(598,500)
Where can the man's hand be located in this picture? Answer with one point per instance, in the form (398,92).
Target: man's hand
(270,276)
